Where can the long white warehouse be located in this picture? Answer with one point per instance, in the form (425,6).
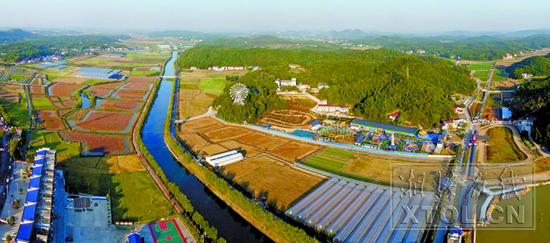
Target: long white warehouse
(227,158)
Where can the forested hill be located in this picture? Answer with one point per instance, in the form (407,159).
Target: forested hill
(15,35)
(376,89)
(532,99)
(474,48)
(537,66)
(205,57)
(374,82)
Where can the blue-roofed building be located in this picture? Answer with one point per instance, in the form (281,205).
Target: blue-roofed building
(134,237)
(29,213)
(314,122)
(35,183)
(39,161)
(506,113)
(32,197)
(360,138)
(37,171)
(360,124)
(24,233)
(39,199)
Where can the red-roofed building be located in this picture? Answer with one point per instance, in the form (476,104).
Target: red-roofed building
(393,116)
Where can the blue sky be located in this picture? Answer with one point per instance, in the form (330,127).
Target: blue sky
(280,15)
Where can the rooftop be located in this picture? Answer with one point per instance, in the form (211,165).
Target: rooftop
(385,127)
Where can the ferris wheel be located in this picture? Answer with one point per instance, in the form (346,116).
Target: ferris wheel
(238,93)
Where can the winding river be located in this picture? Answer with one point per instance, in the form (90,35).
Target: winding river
(231,226)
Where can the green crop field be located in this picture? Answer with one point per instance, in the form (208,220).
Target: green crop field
(42,104)
(146,73)
(217,76)
(498,76)
(134,194)
(483,75)
(52,140)
(481,66)
(148,56)
(213,86)
(96,62)
(17,111)
(334,161)
(52,74)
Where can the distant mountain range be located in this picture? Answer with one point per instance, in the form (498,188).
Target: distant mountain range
(15,35)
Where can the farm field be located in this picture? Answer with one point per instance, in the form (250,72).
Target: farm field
(294,151)
(18,112)
(126,189)
(114,85)
(130,94)
(226,133)
(367,168)
(64,89)
(141,79)
(480,66)
(118,105)
(50,120)
(9,96)
(52,140)
(213,86)
(186,109)
(498,75)
(118,122)
(42,104)
(200,125)
(263,176)
(100,92)
(148,56)
(100,144)
(482,75)
(145,86)
(37,90)
(501,147)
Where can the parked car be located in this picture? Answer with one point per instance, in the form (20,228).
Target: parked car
(69,207)
(70,199)
(69,238)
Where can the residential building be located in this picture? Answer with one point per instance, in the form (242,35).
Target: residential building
(303,87)
(393,116)
(331,108)
(322,86)
(459,110)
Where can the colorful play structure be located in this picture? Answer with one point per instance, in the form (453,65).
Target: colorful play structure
(410,147)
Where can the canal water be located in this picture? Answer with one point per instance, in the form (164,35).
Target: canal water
(231,226)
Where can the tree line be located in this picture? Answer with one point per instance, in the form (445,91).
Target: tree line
(475,48)
(44,46)
(531,99)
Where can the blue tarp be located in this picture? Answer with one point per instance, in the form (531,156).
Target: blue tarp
(35,182)
(134,237)
(29,212)
(24,233)
(37,171)
(32,196)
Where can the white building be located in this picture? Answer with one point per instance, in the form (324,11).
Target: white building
(303,87)
(331,108)
(285,82)
(321,86)
(525,124)
(452,124)
(164,46)
(224,158)
(393,116)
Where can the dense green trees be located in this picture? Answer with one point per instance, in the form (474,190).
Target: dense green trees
(256,104)
(474,48)
(532,99)
(537,66)
(419,87)
(207,56)
(51,45)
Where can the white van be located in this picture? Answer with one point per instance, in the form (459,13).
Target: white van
(7,180)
